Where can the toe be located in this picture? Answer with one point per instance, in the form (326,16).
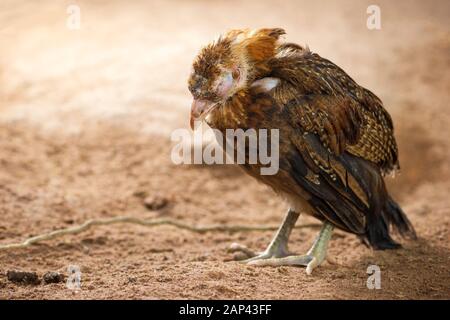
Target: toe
(263,262)
(263,256)
(298,260)
(286,261)
(315,262)
(311,266)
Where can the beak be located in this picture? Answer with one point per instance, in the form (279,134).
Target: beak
(200,109)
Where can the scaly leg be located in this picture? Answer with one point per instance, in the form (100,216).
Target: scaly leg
(278,246)
(315,256)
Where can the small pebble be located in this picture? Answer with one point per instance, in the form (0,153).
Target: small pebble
(155,202)
(23,277)
(53,277)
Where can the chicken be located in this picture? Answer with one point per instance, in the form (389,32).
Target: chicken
(336,140)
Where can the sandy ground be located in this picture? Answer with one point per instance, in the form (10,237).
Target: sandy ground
(85,123)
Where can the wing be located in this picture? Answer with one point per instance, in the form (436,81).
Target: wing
(343,189)
(321,98)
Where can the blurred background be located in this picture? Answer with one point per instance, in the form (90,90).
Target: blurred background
(86,113)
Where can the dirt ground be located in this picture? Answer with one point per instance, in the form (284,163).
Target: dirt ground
(85,123)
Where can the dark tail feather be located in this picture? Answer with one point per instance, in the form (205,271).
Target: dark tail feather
(378,230)
(397,218)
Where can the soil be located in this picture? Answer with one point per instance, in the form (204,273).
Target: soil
(85,123)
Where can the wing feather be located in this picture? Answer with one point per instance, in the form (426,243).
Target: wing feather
(322,99)
(335,191)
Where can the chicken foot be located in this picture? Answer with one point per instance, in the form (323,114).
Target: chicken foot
(280,257)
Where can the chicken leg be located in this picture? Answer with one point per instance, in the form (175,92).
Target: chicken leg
(277,255)
(277,247)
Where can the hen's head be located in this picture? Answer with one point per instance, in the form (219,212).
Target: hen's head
(229,65)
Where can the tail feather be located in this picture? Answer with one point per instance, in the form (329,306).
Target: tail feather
(378,230)
(398,219)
